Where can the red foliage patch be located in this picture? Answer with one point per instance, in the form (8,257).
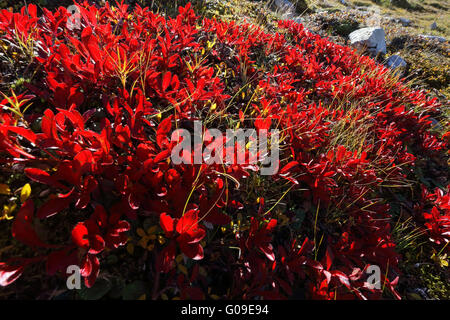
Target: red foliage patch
(114,93)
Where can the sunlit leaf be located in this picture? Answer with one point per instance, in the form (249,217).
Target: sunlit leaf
(25,193)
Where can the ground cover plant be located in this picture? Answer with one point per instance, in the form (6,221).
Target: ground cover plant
(87,177)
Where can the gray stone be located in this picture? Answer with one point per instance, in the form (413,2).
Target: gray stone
(434,26)
(404,22)
(395,62)
(372,38)
(436,125)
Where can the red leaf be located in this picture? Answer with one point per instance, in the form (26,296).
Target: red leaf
(267,249)
(162,156)
(80,235)
(166,223)
(86,266)
(43,177)
(340,153)
(163,130)
(329,258)
(216,217)
(53,206)
(241,116)
(74,116)
(95,263)
(85,161)
(166,257)
(166,80)
(96,244)
(91,44)
(188,221)
(175,82)
(32,10)
(121,227)
(9,274)
(26,133)
(271,225)
(287,168)
(193,251)
(60,260)
(22,228)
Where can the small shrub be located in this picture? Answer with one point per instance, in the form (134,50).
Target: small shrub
(91,135)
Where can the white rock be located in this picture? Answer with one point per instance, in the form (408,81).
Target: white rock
(284,5)
(372,38)
(298,19)
(440,39)
(286,8)
(395,62)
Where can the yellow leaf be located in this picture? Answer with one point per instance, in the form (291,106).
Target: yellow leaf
(7,212)
(141,232)
(183,269)
(152,229)
(164,296)
(4,189)
(143,297)
(25,193)
(202,271)
(179,258)
(214,297)
(211,44)
(130,248)
(143,242)
(8,209)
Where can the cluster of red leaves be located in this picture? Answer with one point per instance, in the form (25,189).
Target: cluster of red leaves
(438,218)
(106,159)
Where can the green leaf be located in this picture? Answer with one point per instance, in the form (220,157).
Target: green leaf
(134,290)
(112,259)
(117,289)
(97,291)
(413,296)
(299,217)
